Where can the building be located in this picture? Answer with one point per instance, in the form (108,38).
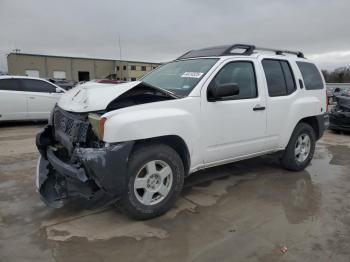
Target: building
(75,68)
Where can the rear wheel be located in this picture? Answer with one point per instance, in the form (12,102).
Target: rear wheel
(155,179)
(300,149)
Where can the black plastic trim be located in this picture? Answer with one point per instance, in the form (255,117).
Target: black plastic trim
(227,50)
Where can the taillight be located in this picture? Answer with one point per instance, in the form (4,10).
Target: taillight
(326,102)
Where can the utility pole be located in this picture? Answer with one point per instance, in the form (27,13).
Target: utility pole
(120,58)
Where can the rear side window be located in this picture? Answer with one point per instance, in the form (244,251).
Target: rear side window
(10,85)
(311,75)
(279,77)
(31,85)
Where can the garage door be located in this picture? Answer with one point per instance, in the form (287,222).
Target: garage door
(59,75)
(32,73)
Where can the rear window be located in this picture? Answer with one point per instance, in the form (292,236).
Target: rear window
(10,85)
(31,85)
(279,77)
(311,75)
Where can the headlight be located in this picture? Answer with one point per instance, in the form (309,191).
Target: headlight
(50,122)
(98,125)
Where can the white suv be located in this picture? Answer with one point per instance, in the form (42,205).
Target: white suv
(136,142)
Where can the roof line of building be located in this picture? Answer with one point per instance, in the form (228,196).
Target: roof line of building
(89,58)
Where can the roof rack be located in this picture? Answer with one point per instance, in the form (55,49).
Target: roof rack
(243,49)
(281,52)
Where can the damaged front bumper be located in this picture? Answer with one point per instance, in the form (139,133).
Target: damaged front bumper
(96,174)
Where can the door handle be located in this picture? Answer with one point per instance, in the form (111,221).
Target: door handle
(258,108)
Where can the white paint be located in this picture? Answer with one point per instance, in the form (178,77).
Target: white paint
(214,132)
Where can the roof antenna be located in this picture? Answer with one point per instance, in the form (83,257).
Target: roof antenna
(120,48)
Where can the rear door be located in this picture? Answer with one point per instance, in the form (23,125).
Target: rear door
(281,85)
(41,98)
(13,103)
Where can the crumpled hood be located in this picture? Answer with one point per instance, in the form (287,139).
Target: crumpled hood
(90,96)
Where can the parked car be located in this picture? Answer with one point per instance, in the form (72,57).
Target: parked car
(27,98)
(339,116)
(65,84)
(136,143)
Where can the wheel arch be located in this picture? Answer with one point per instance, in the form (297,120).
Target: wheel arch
(175,142)
(314,123)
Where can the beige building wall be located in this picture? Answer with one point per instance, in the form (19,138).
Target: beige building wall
(103,68)
(83,65)
(133,70)
(18,64)
(71,66)
(58,64)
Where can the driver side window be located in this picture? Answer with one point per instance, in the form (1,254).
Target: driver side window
(241,73)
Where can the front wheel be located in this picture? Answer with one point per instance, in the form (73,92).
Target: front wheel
(155,179)
(300,149)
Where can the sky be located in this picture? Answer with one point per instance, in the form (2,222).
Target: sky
(161,30)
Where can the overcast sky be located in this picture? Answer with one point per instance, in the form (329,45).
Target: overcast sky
(161,30)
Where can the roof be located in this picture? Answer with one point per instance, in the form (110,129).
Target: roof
(74,57)
(27,77)
(236,49)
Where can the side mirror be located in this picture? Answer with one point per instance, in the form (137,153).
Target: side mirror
(217,92)
(59,90)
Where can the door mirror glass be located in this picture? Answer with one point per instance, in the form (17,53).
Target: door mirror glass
(219,91)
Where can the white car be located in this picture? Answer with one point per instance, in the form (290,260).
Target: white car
(136,142)
(27,98)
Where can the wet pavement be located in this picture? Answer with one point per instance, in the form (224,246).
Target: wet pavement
(245,211)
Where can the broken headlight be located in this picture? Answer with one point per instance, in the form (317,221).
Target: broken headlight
(98,124)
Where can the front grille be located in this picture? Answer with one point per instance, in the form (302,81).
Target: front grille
(73,126)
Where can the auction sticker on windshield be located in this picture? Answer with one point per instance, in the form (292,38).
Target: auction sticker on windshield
(192,74)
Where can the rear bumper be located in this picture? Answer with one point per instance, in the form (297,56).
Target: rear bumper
(323,124)
(96,174)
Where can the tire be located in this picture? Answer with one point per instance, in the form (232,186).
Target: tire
(152,167)
(290,160)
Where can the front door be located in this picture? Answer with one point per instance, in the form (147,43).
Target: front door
(13,102)
(235,126)
(41,98)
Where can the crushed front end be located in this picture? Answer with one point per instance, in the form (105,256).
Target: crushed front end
(74,162)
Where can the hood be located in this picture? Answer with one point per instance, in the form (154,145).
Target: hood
(92,96)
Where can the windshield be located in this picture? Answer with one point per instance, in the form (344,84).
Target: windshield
(180,77)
